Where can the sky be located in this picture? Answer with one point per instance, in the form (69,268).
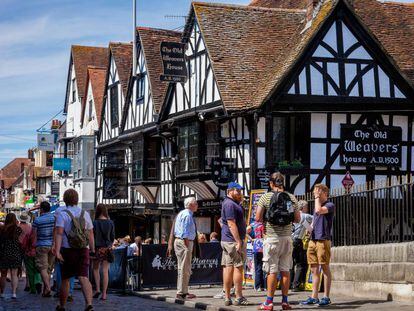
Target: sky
(35,40)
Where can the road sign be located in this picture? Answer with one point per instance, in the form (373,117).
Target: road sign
(348,181)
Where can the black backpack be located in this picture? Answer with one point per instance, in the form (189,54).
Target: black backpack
(280,211)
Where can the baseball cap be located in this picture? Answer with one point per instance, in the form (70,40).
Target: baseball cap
(234,185)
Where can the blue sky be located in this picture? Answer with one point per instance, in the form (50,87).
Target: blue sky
(35,40)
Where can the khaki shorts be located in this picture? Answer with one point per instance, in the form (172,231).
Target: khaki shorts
(319,252)
(44,259)
(277,254)
(231,257)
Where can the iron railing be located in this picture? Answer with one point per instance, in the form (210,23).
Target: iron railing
(375,213)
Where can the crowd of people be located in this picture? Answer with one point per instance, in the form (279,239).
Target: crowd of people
(286,239)
(58,246)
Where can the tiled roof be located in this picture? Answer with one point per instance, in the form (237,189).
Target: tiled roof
(84,56)
(243,44)
(12,170)
(151,39)
(96,76)
(122,54)
(392,24)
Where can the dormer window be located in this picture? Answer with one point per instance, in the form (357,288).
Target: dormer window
(140,89)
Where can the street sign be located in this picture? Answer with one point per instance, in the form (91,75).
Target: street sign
(348,181)
(174,62)
(62,164)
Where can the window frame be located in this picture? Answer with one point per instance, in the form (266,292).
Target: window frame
(73,90)
(113,93)
(90,110)
(189,148)
(144,142)
(140,89)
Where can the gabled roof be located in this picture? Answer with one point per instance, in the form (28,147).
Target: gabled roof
(12,170)
(151,39)
(97,76)
(243,43)
(392,24)
(122,55)
(82,57)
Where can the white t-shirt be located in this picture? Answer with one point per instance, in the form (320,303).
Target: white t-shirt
(63,220)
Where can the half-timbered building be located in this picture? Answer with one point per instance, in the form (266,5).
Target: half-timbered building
(310,88)
(81,57)
(112,169)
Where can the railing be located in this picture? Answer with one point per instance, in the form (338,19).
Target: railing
(374,213)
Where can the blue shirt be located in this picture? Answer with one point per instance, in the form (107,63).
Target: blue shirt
(44,226)
(185,226)
(322,224)
(230,210)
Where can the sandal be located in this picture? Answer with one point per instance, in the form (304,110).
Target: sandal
(59,308)
(89,308)
(96,295)
(242,301)
(47,295)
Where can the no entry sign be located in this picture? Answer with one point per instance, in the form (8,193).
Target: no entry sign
(348,181)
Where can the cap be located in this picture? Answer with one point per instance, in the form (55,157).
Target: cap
(234,185)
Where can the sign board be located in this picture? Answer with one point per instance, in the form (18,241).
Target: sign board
(55,189)
(45,142)
(224,172)
(348,181)
(160,270)
(263,175)
(363,145)
(62,164)
(174,62)
(115,183)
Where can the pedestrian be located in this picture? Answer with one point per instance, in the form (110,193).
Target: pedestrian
(104,232)
(74,231)
(43,228)
(300,263)
(214,237)
(278,209)
(319,249)
(164,239)
(25,225)
(28,246)
(202,238)
(256,232)
(11,255)
(185,233)
(233,234)
(135,249)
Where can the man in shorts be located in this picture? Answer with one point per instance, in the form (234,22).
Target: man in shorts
(43,230)
(75,261)
(277,244)
(319,249)
(233,234)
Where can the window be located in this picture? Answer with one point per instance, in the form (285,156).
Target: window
(89,157)
(212,130)
(291,140)
(90,110)
(41,185)
(137,159)
(188,147)
(140,88)
(73,90)
(49,158)
(152,159)
(113,92)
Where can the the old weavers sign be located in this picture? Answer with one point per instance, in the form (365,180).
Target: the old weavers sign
(174,62)
(363,145)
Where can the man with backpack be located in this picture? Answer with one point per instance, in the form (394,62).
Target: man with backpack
(278,209)
(74,230)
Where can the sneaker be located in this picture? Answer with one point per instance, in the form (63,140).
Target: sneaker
(219,295)
(242,301)
(14,296)
(310,301)
(228,302)
(232,291)
(286,306)
(325,301)
(265,306)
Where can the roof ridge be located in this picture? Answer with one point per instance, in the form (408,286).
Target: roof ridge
(389,2)
(158,29)
(88,46)
(246,7)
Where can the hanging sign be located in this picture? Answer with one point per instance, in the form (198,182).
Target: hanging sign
(174,62)
(62,164)
(223,172)
(263,175)
(115,183)
(45,142)
(363,145)
(348,181)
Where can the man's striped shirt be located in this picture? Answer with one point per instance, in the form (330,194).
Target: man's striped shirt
(44,226)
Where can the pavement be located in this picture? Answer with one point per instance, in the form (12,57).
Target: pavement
(205,300)
(164,299)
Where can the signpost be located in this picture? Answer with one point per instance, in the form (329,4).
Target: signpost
(348,181)
(363,145)
(115,183)
(174,62)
